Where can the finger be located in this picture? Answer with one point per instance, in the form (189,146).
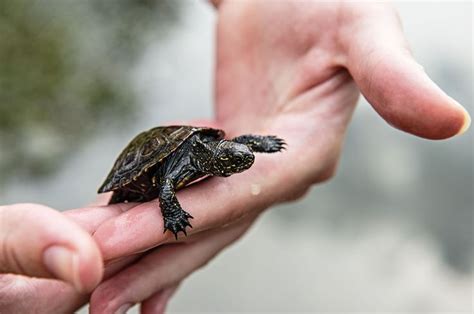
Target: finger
(212,203)
(20,294)
(162,268)
(38,241)
(90,218)
(392,82)
(117,265)
(156,304)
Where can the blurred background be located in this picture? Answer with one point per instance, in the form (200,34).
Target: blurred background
(393,231)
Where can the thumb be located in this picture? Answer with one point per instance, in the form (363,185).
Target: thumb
(41,242)
(393,83)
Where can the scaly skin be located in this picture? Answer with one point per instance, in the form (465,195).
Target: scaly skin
(261,144)
(192,161)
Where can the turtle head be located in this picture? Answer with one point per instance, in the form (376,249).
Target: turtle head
(230,157)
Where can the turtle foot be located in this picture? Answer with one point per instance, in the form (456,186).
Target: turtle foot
(177,222)
(261,143)
(273,144)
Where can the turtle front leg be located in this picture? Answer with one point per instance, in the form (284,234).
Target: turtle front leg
(175,218)
(260,143)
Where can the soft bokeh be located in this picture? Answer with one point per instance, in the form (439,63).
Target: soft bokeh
(393,231)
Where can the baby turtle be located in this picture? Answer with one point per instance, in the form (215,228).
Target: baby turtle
(162,160)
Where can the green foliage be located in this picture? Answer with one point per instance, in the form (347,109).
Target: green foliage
(65,71)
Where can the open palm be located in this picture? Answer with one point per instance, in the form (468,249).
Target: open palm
(292,69)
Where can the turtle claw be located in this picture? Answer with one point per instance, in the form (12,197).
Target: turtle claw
(274,144)
(262,143)
(177,223)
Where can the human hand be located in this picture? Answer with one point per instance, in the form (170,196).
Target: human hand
(152,279)
(29,230)
(293,69)
(23,294)
(36,241)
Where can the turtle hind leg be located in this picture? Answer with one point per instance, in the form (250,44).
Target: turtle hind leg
(261,144)
(175,218)
(177,222)
(125,196)
(117,197)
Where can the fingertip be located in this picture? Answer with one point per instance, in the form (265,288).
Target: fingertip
(443,117)
(143,223)
(91,269)
(403,94)
(381,63)
(89,262)
(76,260)
(466,122)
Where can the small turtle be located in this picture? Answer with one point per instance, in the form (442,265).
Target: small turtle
(162,160)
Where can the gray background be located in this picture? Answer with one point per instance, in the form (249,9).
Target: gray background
(393,231)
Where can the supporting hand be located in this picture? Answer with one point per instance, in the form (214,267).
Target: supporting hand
(36,241)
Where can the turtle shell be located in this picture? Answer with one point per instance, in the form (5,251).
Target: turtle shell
(148,149)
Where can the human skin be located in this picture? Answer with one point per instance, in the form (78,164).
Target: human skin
(28,230)
(294,69)
(37,241)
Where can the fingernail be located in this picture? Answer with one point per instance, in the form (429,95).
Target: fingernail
(467,123)
(64,264)
(467,118)
(124,308)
